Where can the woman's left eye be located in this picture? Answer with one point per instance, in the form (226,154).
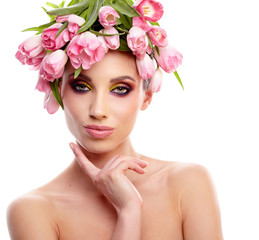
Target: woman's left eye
(121,90)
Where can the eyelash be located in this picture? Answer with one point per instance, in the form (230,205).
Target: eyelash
(80,86)
(120,89)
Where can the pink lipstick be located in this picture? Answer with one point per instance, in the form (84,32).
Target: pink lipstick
(98,131)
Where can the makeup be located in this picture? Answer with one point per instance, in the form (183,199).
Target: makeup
(98,131)
(80,86)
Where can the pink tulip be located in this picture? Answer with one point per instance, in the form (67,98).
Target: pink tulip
(74,23)
(113,42)
(168,59)
(53,65)
(62,18)
(43,85)
(49,40)
(158,36)
(31,52)
(156,81)
(139,22)
(85,49)
(107,16)
(103,42)
(45,75)
(149,50)
(50,103)
(137,41)
(150,10)
(145,67)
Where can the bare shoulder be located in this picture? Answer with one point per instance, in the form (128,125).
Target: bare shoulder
(188,174)
(187,179)
(191,180)
(191,186)
(28,217)
(182,173)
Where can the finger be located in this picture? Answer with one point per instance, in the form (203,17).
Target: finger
(120,159)
(130,165)
(83,162)
(141,163)
(109,163)
(136,168)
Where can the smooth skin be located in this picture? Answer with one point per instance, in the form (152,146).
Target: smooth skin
(110,192)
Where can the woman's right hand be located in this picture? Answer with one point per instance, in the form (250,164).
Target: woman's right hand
(111,179)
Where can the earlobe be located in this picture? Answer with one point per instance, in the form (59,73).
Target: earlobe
(147,99)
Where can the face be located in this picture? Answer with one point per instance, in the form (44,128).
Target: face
(102,103)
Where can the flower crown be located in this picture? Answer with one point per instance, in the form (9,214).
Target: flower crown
(85,30)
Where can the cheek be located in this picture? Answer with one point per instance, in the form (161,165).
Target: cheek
(73,112)
(126,109)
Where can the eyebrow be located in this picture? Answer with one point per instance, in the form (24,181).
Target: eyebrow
(116,79)
(122,78)
(81,76)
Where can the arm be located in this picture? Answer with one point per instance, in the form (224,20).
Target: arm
(199,205)
(118,190)
(128,225)
(28,219)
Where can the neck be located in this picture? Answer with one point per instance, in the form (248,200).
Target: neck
(100,159)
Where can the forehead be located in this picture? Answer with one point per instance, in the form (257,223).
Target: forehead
(114,64)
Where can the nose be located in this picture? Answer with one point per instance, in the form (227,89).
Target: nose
(98,107)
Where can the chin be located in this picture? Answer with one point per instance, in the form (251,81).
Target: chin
(99,146)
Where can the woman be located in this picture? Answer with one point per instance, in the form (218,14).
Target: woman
(110,191)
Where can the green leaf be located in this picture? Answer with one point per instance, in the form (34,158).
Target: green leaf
(62,4)
(93,16)
(155,24)
(61,29)
(124,20)
(39,28)
(123,45)
(124,7)
(77,72)
(81,6)
(36,29)
(157,49)
(130,2)
(44,9)
(72,2)
(91,7)
(178,78)
(52,18)
(84,13)
(54,88)
(119,28)
(52,5)
(150,43)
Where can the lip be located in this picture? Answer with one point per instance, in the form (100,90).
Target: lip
(98,131)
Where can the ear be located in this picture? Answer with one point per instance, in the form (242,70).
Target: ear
(147,99)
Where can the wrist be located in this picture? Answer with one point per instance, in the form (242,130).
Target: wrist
(130,216)
(130,208)
(128,224)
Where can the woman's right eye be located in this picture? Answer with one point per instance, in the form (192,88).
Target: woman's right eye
(80,86)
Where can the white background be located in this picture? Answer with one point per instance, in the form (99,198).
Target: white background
(213,122)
